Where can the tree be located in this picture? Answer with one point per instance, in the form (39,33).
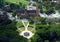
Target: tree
(41,20)
(48,8)
(8,33)
(36,38)
(1,3)
(17,4)
(4,18)
(57,7)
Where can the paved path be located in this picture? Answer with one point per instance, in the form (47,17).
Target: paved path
(25,25)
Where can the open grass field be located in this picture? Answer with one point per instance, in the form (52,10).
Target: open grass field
(18,1)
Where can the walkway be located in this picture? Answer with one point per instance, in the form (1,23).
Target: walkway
(26,24)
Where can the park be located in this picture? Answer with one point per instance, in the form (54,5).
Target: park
(29,21)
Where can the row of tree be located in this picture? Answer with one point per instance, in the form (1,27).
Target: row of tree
(46,32)
(8,33)
(49,7)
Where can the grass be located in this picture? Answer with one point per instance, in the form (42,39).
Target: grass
(24,2)
(32,28)
(19,24)
(20,29)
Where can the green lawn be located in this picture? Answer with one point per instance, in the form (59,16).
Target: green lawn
(18,1)
(19,24)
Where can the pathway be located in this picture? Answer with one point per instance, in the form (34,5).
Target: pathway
(26,24)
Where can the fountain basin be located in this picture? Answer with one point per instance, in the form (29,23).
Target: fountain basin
(27,34)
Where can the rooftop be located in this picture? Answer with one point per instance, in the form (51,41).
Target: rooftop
(28,11)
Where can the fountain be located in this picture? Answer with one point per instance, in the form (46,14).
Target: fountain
(26,34)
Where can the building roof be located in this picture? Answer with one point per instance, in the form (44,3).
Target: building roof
(28,11)
(20,11)
(30,7)
(31,11)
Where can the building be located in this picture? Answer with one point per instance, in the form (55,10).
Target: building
(25,13)
(57,1)
(29,11)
